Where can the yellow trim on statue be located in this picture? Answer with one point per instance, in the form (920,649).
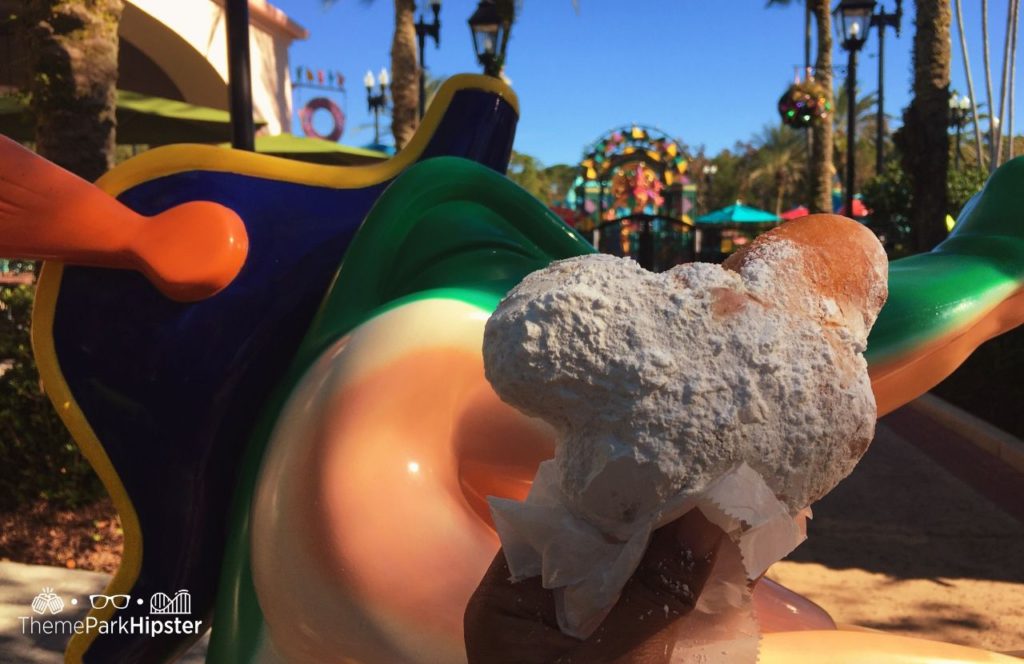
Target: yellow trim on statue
(171,159)
(57,389)
(161,162)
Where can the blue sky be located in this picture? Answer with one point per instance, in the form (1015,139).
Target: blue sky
(707,71)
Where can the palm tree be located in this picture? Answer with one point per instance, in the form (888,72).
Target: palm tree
(970,79)
(1013,70)
(405,72)
(819,166)
(779,148)
(924,141)
(73,52)
(807,26)
(866,119)
(405,69)
(1007,88)
(1006,82)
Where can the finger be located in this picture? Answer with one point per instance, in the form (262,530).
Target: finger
(510,623)
(664,588)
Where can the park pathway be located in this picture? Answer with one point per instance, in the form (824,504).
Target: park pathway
(926,538)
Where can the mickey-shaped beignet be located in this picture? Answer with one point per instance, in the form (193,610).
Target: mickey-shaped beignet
(658,385)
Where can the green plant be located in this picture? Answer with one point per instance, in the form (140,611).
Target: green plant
(888,197)
(37,455)
(962,184)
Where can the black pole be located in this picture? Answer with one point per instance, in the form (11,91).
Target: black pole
(880,129)
(424,30)
(422,35)
(707,204)
(239,75)
(808,133)
(956,156)
(645,252)
(807,36)
(851,129)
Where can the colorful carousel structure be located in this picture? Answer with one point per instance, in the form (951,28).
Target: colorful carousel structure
(632,197)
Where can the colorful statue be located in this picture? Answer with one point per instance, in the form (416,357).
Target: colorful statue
(275,369)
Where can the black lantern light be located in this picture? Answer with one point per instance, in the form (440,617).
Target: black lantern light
(424,30)
(854,22)
(490,36)
(959,116)
(379,101)
(883,20)
(852,26)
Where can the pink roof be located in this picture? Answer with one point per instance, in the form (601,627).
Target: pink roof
(795,213)
(859,209)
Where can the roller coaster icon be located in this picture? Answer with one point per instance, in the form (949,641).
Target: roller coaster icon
(163,604)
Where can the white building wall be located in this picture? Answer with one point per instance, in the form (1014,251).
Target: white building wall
(195,55)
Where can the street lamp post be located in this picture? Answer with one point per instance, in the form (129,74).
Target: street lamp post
(853,25)
(377,102)
(881,20)
(709,171)
(959,111)
(239,76)
(490,36)
(424,30)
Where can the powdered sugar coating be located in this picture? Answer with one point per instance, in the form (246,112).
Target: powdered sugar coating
(659,383)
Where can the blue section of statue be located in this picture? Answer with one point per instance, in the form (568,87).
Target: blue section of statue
(172,389)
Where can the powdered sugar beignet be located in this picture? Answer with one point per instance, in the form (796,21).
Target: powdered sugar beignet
(658,384)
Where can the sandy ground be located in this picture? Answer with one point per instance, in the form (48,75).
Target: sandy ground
(903,545)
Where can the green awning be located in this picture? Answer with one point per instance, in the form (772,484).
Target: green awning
(141,120)
(738,214)
(315,150)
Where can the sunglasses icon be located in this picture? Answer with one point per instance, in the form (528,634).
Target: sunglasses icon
(101,601)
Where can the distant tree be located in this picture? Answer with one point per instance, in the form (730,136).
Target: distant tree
(924,137)
(731,182)
(866,120)
(992,154)
(525,171)
(777,163)
(559,179)
(820,169)
(549,184)
(967,72)
(405,72)
(73,95)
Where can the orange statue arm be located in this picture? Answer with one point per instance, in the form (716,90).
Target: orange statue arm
(188,252)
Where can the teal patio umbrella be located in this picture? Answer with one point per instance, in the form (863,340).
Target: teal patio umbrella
(736,214)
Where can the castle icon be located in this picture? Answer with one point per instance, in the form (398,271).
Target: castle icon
(180,604)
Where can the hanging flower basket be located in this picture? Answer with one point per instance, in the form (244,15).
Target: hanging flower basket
(803,104)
